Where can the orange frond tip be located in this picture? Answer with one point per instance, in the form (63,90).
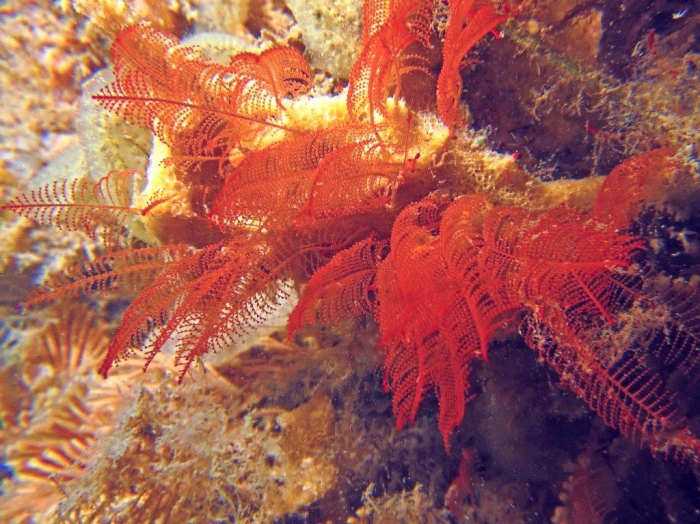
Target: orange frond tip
(387,34)
(341,289)
(155,203)
(636,183)
(464,30)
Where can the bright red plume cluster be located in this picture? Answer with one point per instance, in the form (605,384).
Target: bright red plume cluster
(442,274)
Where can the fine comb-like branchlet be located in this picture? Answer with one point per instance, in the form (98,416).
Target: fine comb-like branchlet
(201,109)
(127,272)
(99,209)
(610,375)
(667,324)
(389,29)
(467,24)
(343,289)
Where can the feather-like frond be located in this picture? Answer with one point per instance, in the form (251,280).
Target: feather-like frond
(611,377)
(388,33)
(343,289)
(199,108)
(465,28)
(325,174)
(274,184)
(437,311)
(80,204)
(126,271)
(560,257)
(636,183)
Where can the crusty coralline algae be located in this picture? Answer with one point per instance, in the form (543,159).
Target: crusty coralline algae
(329,47)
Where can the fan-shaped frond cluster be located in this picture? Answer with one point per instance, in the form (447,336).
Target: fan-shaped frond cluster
(201,109)
(435,313)
(59,408)
(332,173)
(459,272)
(336,201)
